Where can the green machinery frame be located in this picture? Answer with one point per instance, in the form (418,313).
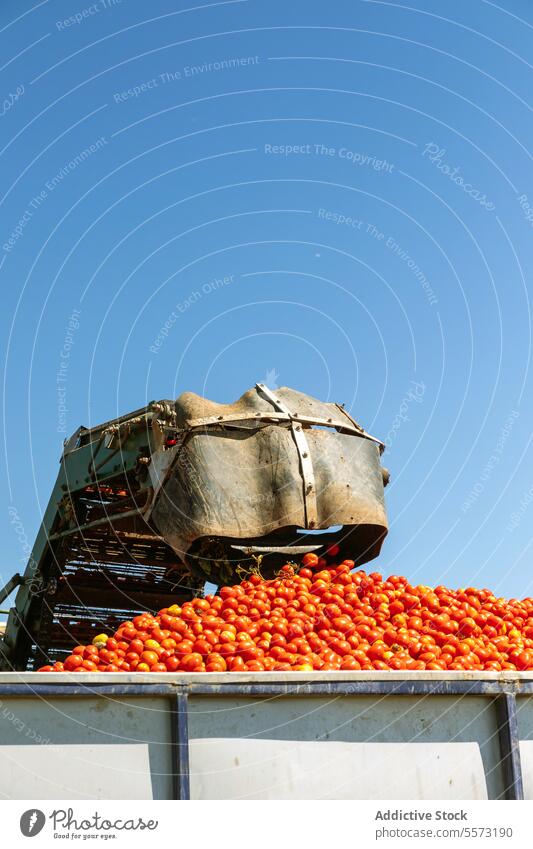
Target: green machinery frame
(95,558)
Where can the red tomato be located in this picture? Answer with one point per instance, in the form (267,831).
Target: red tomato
(310,560)
(73,662)
(350,663)
(525,660)
(149,657)
(190,661)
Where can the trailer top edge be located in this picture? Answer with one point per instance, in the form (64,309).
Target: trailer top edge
(236,678)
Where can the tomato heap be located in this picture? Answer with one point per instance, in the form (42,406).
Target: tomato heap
(323,617)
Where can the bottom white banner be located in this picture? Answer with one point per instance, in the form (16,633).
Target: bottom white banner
(268,824)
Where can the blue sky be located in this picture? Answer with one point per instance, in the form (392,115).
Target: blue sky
(336,197)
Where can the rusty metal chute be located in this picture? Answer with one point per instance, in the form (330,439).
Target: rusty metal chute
(255,472)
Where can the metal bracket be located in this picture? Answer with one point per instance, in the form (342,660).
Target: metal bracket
(234,420)
(306,463)
(361,430)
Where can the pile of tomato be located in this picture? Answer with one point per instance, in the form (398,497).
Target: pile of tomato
(326,616)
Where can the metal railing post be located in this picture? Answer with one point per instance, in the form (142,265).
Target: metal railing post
(180,745)
(509,745)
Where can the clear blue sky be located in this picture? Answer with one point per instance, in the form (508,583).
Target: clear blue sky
(330,196)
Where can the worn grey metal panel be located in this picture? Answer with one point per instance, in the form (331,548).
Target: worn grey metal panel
(76,771)
(526,756)
(363,719)
(82,735)
(248,768)
(524,712)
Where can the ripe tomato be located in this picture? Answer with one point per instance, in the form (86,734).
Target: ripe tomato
(149,657)
(350,662)
(310,560)
(73,662)
(189,662)
(525,660)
